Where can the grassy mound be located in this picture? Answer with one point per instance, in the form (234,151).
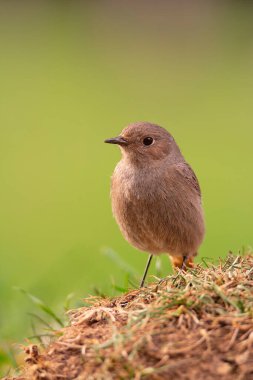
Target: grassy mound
(192,325)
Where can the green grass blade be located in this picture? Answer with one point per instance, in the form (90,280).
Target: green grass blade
(41,305)
(68,300)
(113,256)
(45,323)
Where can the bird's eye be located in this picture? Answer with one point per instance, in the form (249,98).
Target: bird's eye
(148,141)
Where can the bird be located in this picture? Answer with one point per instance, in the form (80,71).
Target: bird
(155,195)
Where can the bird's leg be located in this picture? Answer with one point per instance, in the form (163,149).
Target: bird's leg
(146,270)
(184,262)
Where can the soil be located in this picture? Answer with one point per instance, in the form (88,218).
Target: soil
(192,325)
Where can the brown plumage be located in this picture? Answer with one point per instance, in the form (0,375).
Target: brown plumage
(156,198)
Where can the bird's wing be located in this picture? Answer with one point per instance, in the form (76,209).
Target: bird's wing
(188,174)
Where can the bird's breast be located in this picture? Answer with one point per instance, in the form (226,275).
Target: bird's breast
(152,211)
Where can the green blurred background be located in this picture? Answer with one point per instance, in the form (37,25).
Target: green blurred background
(76,72)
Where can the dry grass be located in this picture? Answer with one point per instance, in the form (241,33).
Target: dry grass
(193,325)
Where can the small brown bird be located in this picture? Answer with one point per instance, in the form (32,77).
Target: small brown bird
(156,198)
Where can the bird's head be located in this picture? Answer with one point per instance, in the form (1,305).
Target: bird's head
(144,143)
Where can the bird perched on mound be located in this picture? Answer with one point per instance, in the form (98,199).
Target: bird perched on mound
(156,198)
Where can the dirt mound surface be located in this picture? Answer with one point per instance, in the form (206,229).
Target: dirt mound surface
(193,325)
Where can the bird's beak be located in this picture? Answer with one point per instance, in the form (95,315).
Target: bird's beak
(117,140)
